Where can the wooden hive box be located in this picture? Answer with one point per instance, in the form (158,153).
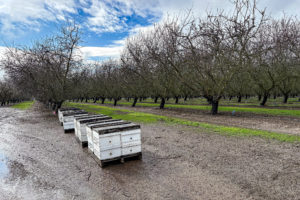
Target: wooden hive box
(81,130)
(116,142)
(90,126)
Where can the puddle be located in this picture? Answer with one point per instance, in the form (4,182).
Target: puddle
(3,166)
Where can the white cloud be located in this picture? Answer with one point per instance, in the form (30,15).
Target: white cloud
(112,51)
(2,53)
(103,18)
(140,29)
(106,15)
(18,15)
(110,16)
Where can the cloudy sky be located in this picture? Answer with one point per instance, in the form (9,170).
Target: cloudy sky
(105,23)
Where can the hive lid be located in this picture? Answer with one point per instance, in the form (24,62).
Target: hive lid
(106,124)
(118,128)
(87,120)
(65,109)
(69,111)
(91,124)
(87,116)
(74,113)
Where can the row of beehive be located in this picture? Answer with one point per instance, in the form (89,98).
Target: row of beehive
(108,139)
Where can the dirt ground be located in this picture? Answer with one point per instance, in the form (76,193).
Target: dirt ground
(39,161)
(279,124)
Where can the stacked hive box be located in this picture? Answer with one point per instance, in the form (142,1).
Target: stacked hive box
(114,142)
(107,139)
(80,129)
(68,119)
(61,110)
(79,118)
(94,125)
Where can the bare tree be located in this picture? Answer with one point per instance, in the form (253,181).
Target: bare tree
(45,69)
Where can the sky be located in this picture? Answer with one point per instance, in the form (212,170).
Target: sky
(105,24)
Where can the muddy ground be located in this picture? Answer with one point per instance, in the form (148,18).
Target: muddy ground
(279,124)
(39,161)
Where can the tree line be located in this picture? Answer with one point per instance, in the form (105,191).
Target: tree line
(237,54)
(10,94)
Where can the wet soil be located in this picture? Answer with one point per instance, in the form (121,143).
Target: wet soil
(39,161)
(280,124)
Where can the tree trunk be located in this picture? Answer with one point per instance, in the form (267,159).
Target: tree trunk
(103,100)
(53,105)
(86,100)
(264,100)
(285,98)
(214,107)
(58,106)
(230,98)
(239,98)
(96,99)
(259,97)
(155,100)
(185,98)
(275,96)
(134,101)
(209,101)
(176,100)
(141,99)
(115,102)
(162,103)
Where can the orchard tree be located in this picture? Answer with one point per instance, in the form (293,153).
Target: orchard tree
(44,70)
(286,54)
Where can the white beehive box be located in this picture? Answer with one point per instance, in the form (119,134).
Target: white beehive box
(65,110)
(90,126)
(116,142)
(68,119)
(82,117)
(61,110)
(80,126)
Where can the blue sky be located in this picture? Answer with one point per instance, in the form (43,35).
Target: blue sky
(105,23)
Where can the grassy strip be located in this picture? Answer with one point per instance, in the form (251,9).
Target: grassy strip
(267,111)
(293,102)
(23,105)
(151,118)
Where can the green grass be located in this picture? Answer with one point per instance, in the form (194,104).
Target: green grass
(252,101)
(151,118)
(23,105)
(255,110)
